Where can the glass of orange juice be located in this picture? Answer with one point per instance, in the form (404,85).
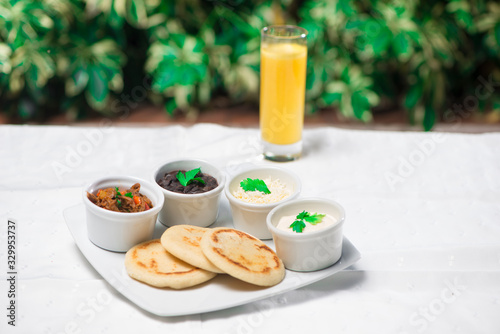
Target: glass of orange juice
(283,59)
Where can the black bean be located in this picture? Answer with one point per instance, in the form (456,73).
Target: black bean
(170,182)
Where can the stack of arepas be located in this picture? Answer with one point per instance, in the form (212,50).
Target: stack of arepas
(189,255)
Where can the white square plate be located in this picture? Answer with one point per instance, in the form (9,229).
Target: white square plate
(221,292)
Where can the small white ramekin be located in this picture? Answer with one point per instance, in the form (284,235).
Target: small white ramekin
(251,217)
(313,250)
(190,209)
(119,231)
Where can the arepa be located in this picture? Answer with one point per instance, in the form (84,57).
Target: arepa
(183,241)
(150,263)
(242,256)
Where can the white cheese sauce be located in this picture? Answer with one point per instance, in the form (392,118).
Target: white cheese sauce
(276,187)
(285,222)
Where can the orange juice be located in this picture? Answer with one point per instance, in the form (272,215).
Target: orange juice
(282,92)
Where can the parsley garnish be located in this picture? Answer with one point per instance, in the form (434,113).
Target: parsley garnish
(314,218)
(298,225)
(255,185)
(189,177)
(118,193)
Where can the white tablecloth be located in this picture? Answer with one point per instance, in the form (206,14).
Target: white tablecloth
(422,208)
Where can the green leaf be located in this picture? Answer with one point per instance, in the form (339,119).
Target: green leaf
(347,6)
(465,18)
(429,118)
(496,105)
(345,75)
(302,215)
(32,76)
(178,39)
(497,33)
(77,82)
(115,19)
(415,37)
(310,79)
(189,176)
(97,87)
(314,218)
(414,95)
(401,44)
(165,77)
(170,106)
(182,178)
(189,75)
(354,24)
(382,41)
(298,226)
(199,179)
(331,98)
(314,31)
(137,12)
(360,105)
(254,185)
(192,173)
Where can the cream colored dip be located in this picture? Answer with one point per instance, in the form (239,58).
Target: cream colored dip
(285,222)
(276,187)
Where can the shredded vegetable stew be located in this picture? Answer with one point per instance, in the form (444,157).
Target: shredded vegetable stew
(116,199)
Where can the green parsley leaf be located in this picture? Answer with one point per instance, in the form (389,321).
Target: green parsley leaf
(199,179)
(298,226)
(189,177)
(255,185)
(182,178)
(302,215)
(118,202)
(314,218)
(129,194)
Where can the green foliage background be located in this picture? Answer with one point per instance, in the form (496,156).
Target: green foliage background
(430,58)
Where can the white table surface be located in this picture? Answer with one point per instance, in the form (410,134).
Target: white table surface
(422,208)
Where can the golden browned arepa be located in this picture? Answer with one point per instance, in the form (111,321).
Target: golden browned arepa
(183,241)
(150,263)
(242,256)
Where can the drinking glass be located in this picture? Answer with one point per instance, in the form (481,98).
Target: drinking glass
(283,56)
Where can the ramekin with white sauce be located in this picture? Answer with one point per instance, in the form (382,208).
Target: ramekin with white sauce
(316,246)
